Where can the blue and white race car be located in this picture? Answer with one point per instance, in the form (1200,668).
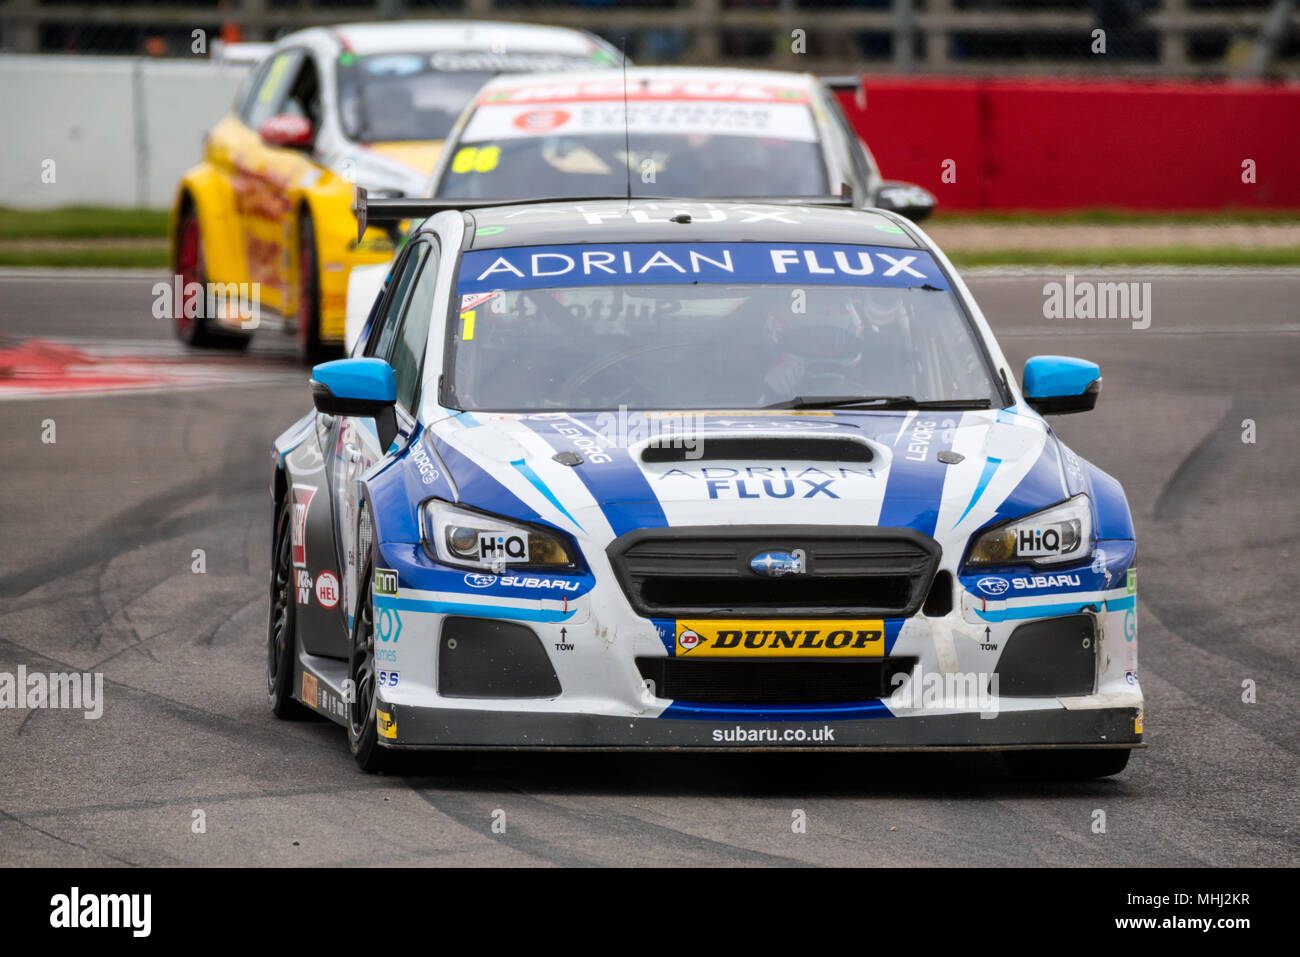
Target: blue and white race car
(696,475)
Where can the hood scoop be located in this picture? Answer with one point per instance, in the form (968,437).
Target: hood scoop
(765,448)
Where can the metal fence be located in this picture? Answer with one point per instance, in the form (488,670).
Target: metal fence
(1171,38)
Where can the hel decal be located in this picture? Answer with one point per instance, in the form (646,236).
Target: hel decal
(327,589)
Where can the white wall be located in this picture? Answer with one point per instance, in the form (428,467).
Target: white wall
(120,130)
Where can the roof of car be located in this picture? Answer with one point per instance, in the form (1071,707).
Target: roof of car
(711,221)
(411,35)
(724,82)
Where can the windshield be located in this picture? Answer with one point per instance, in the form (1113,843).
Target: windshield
(717,142)
(394,97)
(705,326)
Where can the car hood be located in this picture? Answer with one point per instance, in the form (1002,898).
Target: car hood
(600,475)
(421,156)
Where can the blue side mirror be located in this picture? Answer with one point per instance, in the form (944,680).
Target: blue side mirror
(362,387)
(1057,385)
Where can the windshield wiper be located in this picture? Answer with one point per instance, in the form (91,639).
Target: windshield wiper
(877,402)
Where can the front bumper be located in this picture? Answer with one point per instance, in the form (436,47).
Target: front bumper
(446,728)
(586,642)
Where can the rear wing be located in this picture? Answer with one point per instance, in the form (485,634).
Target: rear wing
(857,85)
(389,212)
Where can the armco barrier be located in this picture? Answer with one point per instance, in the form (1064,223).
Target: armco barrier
(119,131)
(1019,144)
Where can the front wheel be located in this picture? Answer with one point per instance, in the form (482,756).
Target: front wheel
(363,735)
(1066,764)
(310,348)
(190,320)
(280,643)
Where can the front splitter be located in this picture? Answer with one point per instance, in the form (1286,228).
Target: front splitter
(440,728)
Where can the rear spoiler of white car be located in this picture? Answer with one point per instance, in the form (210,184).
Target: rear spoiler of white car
(242,53)
(392,211)
(857,85)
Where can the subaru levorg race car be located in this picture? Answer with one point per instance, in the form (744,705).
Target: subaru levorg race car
(328,107)
(654,132)
(696,475)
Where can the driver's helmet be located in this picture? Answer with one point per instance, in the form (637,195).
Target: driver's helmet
(827,331)
(884,308)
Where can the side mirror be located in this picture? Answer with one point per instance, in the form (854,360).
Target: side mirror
(906,199)
(1057,385)
(362,387)
(288,130)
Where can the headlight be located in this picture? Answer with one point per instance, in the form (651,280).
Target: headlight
(459,536)
(1062,533)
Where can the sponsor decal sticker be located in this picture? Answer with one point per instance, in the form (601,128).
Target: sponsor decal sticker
(310,688)
(1132,582)
(474,580)
(813,638)
(1137,723)
(993,586)
(304,587)
(423,464)
(502,546)
(605,264)
(1046,581)
(388,624)
(385,724)
(385,582)
(301,497)
(1038,542)
(327,589)
(741,734)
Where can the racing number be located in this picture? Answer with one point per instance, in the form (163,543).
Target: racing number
(476,159)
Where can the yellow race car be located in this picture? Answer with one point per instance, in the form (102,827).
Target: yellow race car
(268,209)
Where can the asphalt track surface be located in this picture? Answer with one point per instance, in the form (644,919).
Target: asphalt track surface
(96,574)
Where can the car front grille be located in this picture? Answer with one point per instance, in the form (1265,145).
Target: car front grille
(705,572)
(772,681)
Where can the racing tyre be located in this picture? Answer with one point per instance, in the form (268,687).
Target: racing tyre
(310,350)
(280,642)
(190,265)
(363,737)
(1066,765)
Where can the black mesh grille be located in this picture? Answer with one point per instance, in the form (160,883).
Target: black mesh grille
(772,681)
(704,571)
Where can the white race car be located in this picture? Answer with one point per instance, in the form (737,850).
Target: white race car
(711,475)
(665,132)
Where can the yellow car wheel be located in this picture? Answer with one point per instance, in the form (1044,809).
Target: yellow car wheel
(190,321)
(310,349)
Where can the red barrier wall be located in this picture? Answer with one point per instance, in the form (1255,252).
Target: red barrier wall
(1022,144)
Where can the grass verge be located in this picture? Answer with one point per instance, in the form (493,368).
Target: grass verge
(81,222)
